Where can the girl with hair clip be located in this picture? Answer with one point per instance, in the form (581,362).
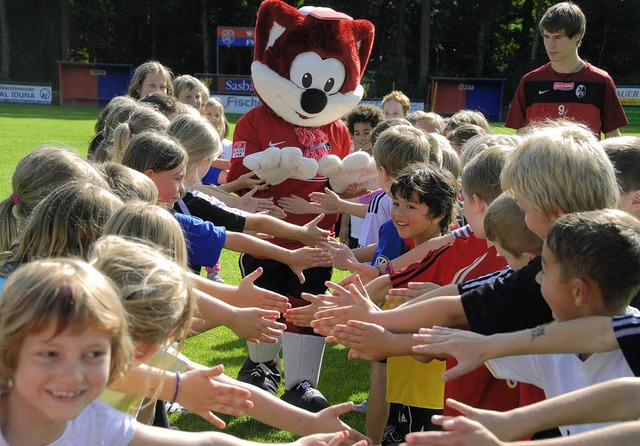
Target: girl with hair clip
(36,175)
(65,223)
(142,120)
(147,279)
(163,159)
(63,338)
(149,77)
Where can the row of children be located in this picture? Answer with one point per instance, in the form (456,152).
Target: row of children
(555,169)
(61,205)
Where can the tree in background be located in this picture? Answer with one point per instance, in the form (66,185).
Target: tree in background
(415,39)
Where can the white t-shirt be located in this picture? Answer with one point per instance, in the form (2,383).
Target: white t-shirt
(97,425)
(558,374)
(379,212)
(227,145)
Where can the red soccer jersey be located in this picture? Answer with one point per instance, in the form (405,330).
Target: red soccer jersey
(587,96)
(464,259)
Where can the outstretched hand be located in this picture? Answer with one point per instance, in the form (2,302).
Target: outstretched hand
(467,347)
(328,420)
(351,304)
(333,439)
(201,394)
(459,431)
(307,257)
(250,295)
(313,235)
(366,341)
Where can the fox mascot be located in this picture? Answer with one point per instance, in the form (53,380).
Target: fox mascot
(307,69)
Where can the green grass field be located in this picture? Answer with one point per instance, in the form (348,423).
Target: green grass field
(25,127)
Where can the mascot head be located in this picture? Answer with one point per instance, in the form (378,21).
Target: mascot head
(308,64)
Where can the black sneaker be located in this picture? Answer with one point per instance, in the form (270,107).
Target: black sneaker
(305,397)
(261,375)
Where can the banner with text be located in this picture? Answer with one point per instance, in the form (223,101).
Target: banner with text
(25,94)
(628,95)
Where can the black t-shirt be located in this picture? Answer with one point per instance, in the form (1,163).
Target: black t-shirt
(509,303)
(209,211)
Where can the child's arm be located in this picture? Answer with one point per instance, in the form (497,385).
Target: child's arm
(445,310)
(331,203)
(462,431)
(221,164)
(419,291)
(418,253)
(154,436)
(370,342)
(308,234)
(246,294)
(298,260)
(615,400)
(251,324)
(298,205)
(245,181)
(340,253)
(273,411)
(199,391)
(246,202)
(589,335)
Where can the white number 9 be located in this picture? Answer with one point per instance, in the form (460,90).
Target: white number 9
(561,110)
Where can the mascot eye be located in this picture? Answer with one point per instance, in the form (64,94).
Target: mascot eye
(310,71)
(306,80)
(328,85)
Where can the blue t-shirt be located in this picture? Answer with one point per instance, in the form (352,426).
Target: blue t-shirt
(390,244)
(204,240)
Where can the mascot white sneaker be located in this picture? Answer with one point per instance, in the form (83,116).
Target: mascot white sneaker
(307,69)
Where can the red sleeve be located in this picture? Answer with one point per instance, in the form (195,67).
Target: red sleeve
(613,116)
(516,116)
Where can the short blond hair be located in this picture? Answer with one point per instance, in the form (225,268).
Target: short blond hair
(504,224)
(188,82)
(401,145)
(64,294)
(561,167)
(156,292)
(415,117)
(152,223)
(481,176)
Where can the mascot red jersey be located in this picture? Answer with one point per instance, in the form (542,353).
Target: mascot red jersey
(307,69)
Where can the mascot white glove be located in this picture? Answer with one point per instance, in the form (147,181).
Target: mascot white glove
(274,165)
(356,168)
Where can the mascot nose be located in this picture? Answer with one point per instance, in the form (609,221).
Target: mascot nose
(313,101)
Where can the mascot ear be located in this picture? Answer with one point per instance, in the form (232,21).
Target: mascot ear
(363,32)
(274,18)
